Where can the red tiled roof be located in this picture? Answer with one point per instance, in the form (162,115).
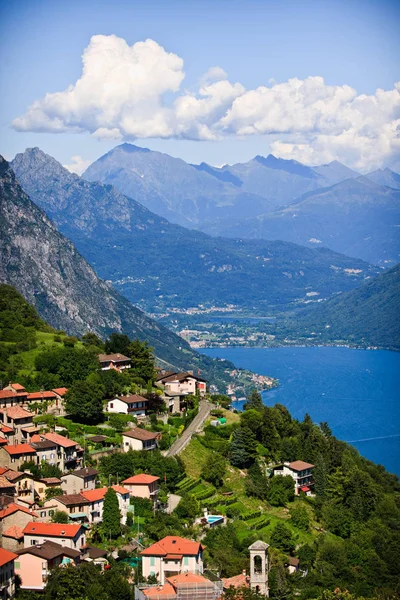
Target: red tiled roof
(11,475)
(6,429)
(60,391)
(6,556)
(119,489)
(173,545)
(4,483)
(35,438)
(13,508)
(60,440)
(52,529)
(4,394)
(14,532)
(18,387)
(191,578)
(237,581)
(141,479)
(40,395)
(16,412)
(300,465)
(3,441)
(51,480)
(3,470)
(94,495)
(19,449)
(305,488)
(166,591)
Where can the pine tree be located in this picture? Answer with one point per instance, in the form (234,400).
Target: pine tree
(111,526)
(255,401)
(243,447)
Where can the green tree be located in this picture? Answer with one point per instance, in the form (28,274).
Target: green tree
(53,493)
(214,469)
(117,343)
(250,419)
(256,483)
(299,517)
(188,507)
(280,490)
(60,516)
(84,402)
(243,447)
(91,339)
(281,538)
(254,402)
(70,364)
(111,525)
(142,360)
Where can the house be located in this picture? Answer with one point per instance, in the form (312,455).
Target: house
(69,453)
(185,586)
(33,565)
(171,556)
(13,538)
(142,485)
(79,480)
(22,481)
(12,395)
(12,516)
(139,439)
(119,362)
(96,556)
(14,456)
(20,421)
(46,450)
(46,483)
(134,404)
(75,505)
(95,499)
(70,536)
(292,564)
(6,486)
(182,383)
(7,576)
(301,473)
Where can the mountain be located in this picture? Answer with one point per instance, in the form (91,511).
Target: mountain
(159,265)
(385,177)
(356,217)
(367,316)
(48,271)
(195,195)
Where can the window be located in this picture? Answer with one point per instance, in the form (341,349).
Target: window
(43,513)
(33,542)
(17,565)
(51,455)
(111,404)
(152,561)
(51,513)
(185,561)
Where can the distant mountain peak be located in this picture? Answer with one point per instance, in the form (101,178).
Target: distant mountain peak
(131,148)
(282,164)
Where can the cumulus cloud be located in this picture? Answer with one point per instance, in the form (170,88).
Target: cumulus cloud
(128,92)
(78,165)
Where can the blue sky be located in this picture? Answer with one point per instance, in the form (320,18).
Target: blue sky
(352,43)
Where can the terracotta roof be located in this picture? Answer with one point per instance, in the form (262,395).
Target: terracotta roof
(16,412)
(49,550)
(19,449)
(183,579)
(5,483)
(86,472)
(141,434)
(4,394)
(237,581)
(6,429)
(71,499)
(60,391)
(113,358)
(52,529)
(6,556)
(3,470)
(50,480)
(166,591)
(300,465)
(60,440)
(13,508)
(131,398)
(14,532)
(3,441)
(119,489)
(142,479)
(18,387)
(181,377)
(99,493)
(41,395)
(35,438)
(12,475)
(173,545)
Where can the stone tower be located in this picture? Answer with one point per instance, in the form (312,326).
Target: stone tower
(259,567)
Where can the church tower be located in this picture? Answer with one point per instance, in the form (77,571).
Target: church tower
(259,567)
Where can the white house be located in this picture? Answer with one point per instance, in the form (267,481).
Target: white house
(96,500)
(119,362)
(171,556)
(182,383)
(71,536)
(142,485)
(139,439)
(126,405)
(301,473)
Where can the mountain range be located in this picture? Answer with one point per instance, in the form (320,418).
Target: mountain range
(49,272)
(159,265)
(267,197)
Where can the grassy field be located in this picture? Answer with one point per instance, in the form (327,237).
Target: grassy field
(43,340)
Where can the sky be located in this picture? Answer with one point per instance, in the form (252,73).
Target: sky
(218,81)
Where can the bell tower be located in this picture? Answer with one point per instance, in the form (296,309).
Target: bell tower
(259,567)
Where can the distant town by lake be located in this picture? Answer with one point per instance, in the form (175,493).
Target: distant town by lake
(356,391)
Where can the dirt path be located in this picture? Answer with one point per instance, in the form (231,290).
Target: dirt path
(195,426)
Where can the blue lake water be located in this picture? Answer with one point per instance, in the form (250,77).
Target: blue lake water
(356,391)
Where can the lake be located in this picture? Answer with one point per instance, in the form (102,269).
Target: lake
(355,391)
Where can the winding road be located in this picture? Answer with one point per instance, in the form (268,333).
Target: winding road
(195,426)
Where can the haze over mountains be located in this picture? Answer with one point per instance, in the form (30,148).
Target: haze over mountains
(47,270)
(159,265)
(266,198)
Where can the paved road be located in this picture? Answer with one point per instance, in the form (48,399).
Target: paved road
(195,426)
(173,501)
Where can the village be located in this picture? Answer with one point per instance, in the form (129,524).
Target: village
(50,522)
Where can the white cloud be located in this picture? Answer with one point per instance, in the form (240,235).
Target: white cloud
(124,92)
(78,165)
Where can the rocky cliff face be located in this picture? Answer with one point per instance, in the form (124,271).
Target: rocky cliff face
(48,271)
